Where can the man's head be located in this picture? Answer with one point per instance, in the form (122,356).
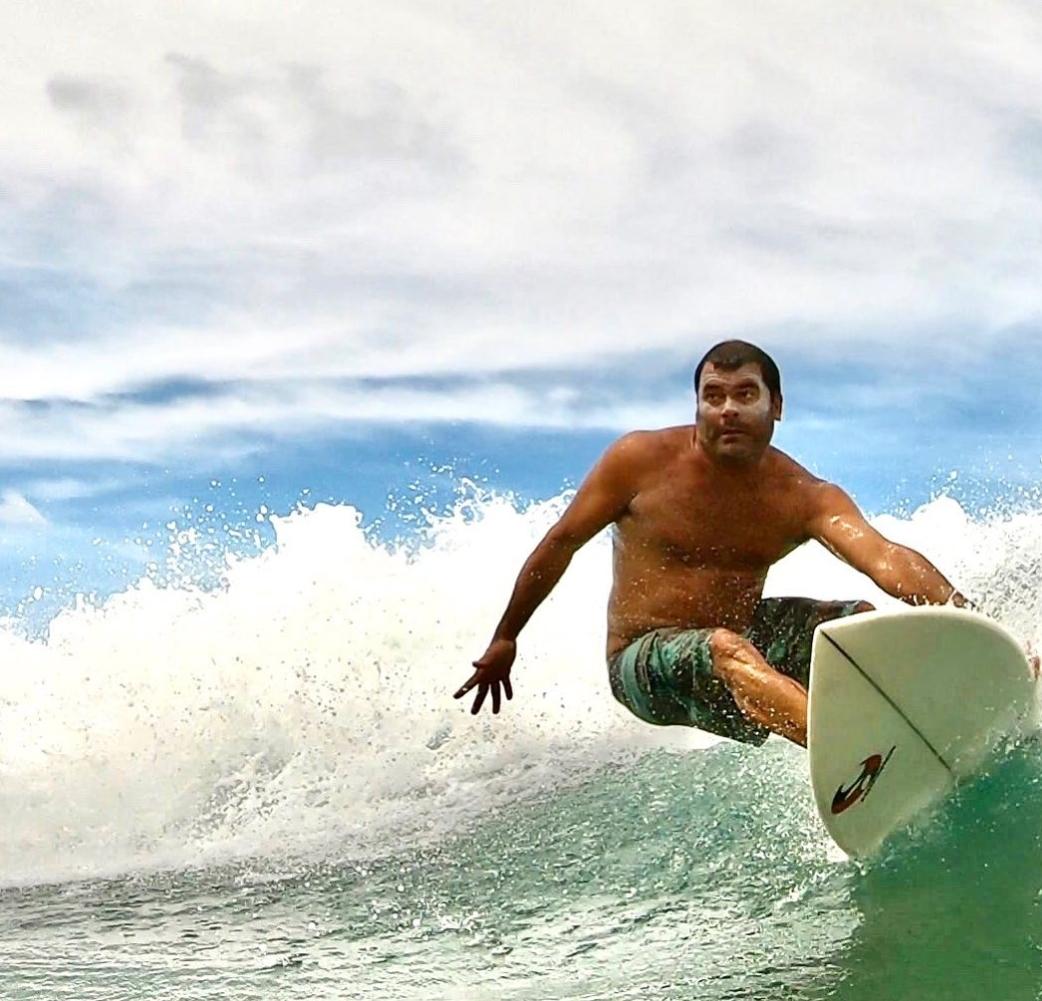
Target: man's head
(739,398)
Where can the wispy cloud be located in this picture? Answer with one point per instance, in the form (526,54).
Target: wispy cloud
(69,488)
(16,510)
(291,205)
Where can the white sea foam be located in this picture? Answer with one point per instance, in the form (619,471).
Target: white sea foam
(305,706)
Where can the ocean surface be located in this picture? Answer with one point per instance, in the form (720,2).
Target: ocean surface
(260,787)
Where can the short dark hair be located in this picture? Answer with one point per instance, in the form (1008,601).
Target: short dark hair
(730,355)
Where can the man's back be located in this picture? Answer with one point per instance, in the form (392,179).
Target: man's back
(695,542)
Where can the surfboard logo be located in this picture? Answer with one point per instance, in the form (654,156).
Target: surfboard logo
(871,768)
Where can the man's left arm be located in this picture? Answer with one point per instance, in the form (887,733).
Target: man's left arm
(837,524)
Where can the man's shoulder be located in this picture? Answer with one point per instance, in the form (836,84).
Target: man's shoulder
(784,465)
(638,451)
(813,496)
(655,440)
(808,492)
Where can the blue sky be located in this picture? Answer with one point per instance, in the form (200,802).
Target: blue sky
(273,253)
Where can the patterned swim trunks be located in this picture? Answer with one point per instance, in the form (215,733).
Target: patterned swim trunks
(666,676)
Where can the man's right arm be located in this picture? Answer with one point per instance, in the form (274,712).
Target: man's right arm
(601,499)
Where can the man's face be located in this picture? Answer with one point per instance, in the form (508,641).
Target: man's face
(736,413)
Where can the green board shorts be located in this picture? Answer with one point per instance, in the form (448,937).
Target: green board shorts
(666,676)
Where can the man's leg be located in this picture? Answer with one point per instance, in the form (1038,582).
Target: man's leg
(764,695)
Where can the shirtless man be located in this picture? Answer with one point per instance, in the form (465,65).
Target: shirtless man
(700,512)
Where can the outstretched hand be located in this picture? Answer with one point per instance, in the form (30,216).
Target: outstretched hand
(493,671)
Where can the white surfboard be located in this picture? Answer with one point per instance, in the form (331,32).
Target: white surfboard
(903,706)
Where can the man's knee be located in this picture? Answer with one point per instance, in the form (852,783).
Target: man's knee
(864,606)
(731,652)
(724,643)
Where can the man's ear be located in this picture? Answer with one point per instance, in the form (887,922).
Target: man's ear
(776,406)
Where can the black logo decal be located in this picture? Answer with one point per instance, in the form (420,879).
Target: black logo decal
(871,768)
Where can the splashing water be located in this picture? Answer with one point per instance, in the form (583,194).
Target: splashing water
(303,708)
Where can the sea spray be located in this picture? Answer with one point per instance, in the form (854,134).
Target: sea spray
(301,704)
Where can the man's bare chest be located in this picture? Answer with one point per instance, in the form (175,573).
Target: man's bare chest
(723,529)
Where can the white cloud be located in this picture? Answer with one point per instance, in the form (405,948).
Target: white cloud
(16,510)
(66,488)
(261,193)
(194,427)
(240,419)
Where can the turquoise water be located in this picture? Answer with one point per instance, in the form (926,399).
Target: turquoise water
(687,876)
(265,790)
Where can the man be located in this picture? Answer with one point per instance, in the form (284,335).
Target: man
(700,512)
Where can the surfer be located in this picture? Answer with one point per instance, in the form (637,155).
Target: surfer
(699,513)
